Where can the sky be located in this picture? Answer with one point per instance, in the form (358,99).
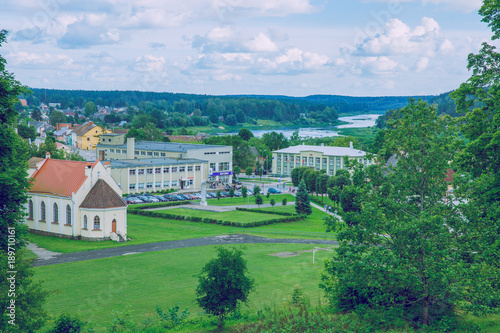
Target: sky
(228,47)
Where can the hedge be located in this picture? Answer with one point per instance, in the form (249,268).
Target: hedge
(213,221)
(262,211)
(131,208)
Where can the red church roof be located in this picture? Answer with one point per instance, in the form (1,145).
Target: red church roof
(59,177)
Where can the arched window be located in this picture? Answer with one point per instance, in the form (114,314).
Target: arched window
(56,213)
(97,223)
(30,209)
(42,211)
(84,221)
(68,214)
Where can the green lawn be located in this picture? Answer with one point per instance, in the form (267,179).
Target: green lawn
(238,201)
(233,216)
(92,289)
(143,229)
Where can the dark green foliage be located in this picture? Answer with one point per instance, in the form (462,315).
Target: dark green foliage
(302,204)
(244,192)
(268,194)
(258,200)
(223,283)
(284,201)
(26,132)
(275,141)
(237,170)
(248,171)
(219,195)
(256,190)
(67,324)
(172,318)
(273,202)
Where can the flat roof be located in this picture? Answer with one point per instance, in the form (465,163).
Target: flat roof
(165,146)
(326,150)
(145,162)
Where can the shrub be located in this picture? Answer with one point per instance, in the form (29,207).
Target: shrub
(67,324)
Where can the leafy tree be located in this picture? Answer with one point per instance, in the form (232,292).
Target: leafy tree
(67,323)
(135,133)
(245,134)
(248,171)
(236,170)
(230,120)
(26,132)
(244,192)
(56,117)
(275,141)
(256,190)
(240,116)
(273,202)
(302,204)
(259,200)
(223,283)
(152,133)
(219,195)
(402,234)
(295,139)
(321,185)
(310,180)
(36,114)
(90,109)
(29,296)
(284,201)
(231,193)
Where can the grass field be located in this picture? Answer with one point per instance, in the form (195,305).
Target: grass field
(237,201)
(233,216)
(92,289)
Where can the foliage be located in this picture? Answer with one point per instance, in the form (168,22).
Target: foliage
(244,192)
(219,195)
(259,200)
(401,232)
(245,134)
(284,201)
(223,283)
(256,190)
(36,114)
(67,323)
(90,109)
(26,132)
(173,318)
(242,155)
(56,117)
(231,193)
(273,202)
(248,171)
(302,204)
(236,170)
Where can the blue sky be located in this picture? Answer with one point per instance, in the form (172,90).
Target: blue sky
(285,47)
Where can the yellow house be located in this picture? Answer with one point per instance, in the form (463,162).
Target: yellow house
(87,135)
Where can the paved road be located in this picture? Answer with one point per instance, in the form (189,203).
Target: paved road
(152,247)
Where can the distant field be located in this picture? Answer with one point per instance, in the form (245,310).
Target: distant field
(93,289)
(236,201)
(233,216)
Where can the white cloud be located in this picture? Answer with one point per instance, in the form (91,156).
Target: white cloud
(24,59)
(149,63)
(398,38)
(221,34)
(261,43)
(452,5)
(421,64)
(379,65)
(227,77)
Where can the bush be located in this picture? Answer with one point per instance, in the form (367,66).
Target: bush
(284,201)
(67,324)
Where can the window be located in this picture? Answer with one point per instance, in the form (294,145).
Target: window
(360,160)
(324,162)
(157,154)
(30,209)
(285,158)
(224,152)
(68,215)
(197,168)
(304,161)
(111,150)
(131,187)
(338,162)
(162,154)
(166,170)
(141,186)
(131,172)
(221,166)
(158,184)
(97,223)
(166,183)
(190,182)
(279,169)
(174,182)
(210,153)
(84,221)
(190,168)
(141,171)
(284,169)
(150,153)
(279,158)
(332,161)
(174,169)
(42,211)
(180,155)
(136,152)
(182,169)
(88,138)
(124,151)
(318,160)
(149,185)
(157,170)
(109,140)
(143,153)
(56,213)
(331,172)
(212,166)
(311,161)
(150,171)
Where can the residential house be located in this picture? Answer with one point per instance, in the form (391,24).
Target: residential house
(86,136)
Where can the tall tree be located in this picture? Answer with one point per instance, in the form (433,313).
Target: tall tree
(36,114)
(302,204)
(400,231)
(90,109)
(223,283)
(27,297)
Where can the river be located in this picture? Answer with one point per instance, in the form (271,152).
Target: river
(363,120)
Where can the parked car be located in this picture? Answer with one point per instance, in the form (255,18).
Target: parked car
(257,172)
(197,195)
(237,193)
(236,182)
(160,198)
(133,200)
(272,190)
(170,197)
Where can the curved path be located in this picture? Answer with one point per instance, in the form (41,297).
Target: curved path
(142,248)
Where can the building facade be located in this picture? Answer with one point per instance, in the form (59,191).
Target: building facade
(149,175)
(219,158)
(78,200)
(321,157)
(86,136)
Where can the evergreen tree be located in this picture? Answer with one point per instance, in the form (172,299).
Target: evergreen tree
(302,204)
